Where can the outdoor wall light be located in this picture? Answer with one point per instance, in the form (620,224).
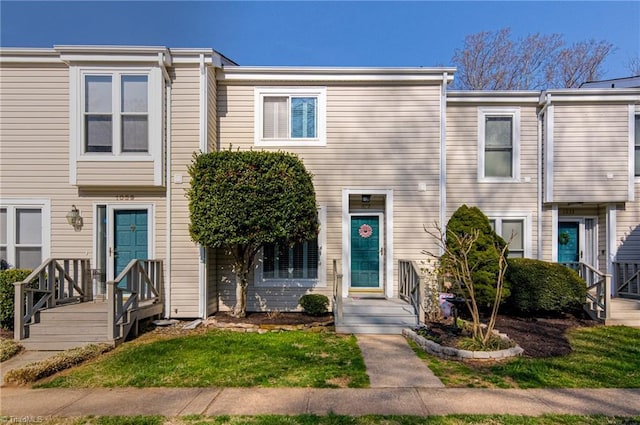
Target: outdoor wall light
(74,218)
(366,199)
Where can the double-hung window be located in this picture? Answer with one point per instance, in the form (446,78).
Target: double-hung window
(24,233)
(300,264)
(514,231)
(498,144)
(637,145)
(290,116)
(115,113)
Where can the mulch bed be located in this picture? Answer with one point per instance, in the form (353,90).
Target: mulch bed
(278,318)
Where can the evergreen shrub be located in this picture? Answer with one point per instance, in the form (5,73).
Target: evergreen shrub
(542,287)
(7,294)
(315,304)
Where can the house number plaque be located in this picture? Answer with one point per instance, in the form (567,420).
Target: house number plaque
(125,197)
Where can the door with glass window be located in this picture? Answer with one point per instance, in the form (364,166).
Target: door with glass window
(366,252)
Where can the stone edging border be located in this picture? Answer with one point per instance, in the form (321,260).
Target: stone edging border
(450,353)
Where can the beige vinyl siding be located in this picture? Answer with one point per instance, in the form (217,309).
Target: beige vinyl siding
(493,198)
(185,136)
(628,229)
(212,119)
(34,159)
(115,173)
(590,142)
(378,137)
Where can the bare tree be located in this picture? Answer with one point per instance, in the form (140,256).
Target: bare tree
(493,60)
(633,65)
(460,268)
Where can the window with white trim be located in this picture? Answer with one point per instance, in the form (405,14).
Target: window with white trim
(299,264)
(23,234)
(498,144)
(513,231)
(637,145)
(290,116)
(117,113)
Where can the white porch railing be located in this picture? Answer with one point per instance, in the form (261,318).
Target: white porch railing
(410,285)
(598,289)
(627,278)
(56,281)
(135,294)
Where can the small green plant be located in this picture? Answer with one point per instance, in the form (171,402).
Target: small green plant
(542,287)
(315,304)
(8,349)
(7,294)
(42,369)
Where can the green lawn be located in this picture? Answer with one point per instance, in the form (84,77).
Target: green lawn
(603,357)
(226,359)
(349,420)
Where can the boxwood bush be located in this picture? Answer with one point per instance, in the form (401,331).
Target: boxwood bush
(7,294)
(542,287)
(315,304)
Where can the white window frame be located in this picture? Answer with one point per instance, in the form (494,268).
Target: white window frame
(320,93)
(527,229)
(154,112)
(514,113)
(12,205)
(319,282)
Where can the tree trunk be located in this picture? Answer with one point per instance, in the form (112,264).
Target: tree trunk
(240,309)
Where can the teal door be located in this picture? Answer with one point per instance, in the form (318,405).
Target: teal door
(129,238)
(365,252)
(568,242)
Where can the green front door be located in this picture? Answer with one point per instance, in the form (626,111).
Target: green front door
(568,242)
(130,238)
(365,252)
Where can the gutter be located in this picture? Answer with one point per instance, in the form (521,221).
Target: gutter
(443,153)
(167,280)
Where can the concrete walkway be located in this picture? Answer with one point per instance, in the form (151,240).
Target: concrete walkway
(391,363)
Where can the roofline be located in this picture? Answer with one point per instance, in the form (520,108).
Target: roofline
(250,73)
(86,53)
(591,95)
(612,79)
(498,96)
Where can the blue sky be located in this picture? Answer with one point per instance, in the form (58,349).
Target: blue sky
(331,33)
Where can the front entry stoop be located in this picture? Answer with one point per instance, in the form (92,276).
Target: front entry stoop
(362,315)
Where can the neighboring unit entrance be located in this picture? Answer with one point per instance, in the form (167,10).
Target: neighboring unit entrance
(366,252)
(568,242)
(130,239)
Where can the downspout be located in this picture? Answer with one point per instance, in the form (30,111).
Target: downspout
(167,280)
(539,175)
(204,148)
(443,155)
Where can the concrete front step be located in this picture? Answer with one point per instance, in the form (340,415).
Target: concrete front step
(633,323)
(375,316)
(370,329)
(54,345)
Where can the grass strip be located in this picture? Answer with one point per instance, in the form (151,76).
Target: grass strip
(227,359)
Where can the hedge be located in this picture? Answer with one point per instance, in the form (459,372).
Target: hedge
(7,294)
(542,287)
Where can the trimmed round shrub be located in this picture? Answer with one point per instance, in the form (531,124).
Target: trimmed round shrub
(7,294)
(542,287)
(315,304)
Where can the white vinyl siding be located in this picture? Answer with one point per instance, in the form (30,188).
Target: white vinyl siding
(498,144)
(290,116)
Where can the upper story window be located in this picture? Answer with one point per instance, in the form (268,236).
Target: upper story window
(290,116)
(637,146)
(498,144)
(116,113)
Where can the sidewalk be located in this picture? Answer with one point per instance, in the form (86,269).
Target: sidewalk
(20,402)
(401,384)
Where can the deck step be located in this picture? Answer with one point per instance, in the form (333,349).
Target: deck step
(54,345)
(375,316)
